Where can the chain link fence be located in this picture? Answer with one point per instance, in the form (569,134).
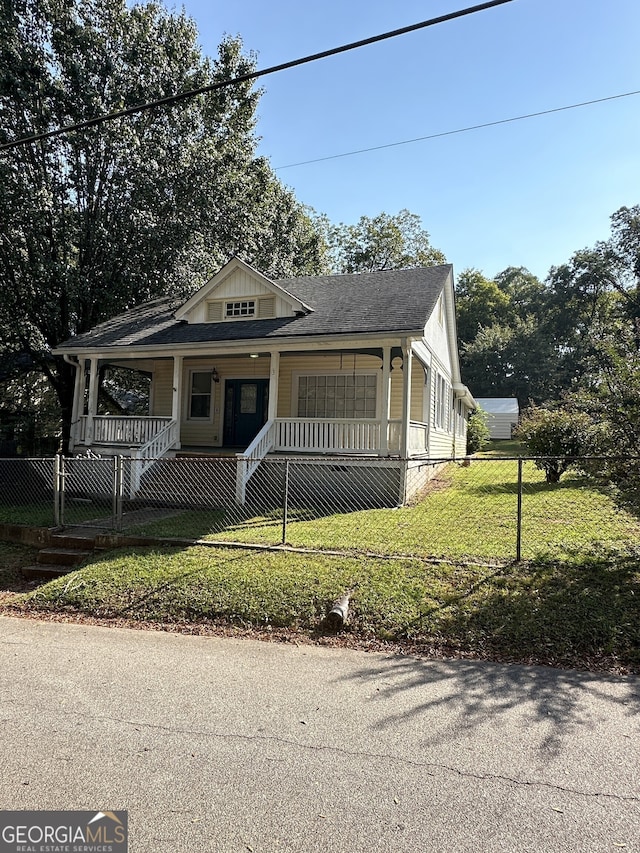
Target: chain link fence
(484,508)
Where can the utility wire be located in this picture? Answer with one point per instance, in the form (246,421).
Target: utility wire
(254,75)
(458,130)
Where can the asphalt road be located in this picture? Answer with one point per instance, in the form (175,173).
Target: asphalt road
(216,744)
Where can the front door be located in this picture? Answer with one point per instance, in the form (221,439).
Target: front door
(245,410)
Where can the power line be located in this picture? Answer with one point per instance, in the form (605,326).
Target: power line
(458,130)
(254,75)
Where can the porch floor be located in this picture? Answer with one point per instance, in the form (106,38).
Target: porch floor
(187,451)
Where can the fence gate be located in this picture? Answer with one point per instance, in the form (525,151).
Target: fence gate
(88,491)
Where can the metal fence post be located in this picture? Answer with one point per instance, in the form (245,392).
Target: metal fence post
(519,533)
(118,486)
(56,489)
(285,503)
(120,495)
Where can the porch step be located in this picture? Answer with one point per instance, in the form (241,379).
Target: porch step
(62,556)
(74,540)
(46,572)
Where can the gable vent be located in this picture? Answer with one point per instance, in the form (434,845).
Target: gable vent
(266,306)
(214,311)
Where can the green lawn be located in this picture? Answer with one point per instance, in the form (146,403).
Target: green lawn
(574,601)
(469,512)
(584,614)
(33,515)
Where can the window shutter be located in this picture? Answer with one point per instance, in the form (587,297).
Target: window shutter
(214,312)
(266,307)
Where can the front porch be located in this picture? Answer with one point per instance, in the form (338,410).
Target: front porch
(147,439)
(364,403)
(113,435)
(128,434)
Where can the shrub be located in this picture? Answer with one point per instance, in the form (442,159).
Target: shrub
(560,435)
(477,431)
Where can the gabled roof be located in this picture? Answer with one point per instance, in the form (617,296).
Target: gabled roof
(209,288)
(396,301)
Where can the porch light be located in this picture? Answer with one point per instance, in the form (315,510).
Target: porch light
(215,375)
(254,355)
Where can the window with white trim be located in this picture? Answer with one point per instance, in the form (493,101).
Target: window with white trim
(240,308)
(441,403)
(200,395)
(337,396)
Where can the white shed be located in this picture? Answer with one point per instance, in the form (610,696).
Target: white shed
(502,415)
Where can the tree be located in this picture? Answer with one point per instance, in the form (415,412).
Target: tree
(95,221)
(479,303)
(384,242)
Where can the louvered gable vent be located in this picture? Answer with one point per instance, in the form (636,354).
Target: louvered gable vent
(266,307)
(214,312)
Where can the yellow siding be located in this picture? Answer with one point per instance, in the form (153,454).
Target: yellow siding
(318,363)
(417,390)
(395,410)
(209,433)
(162,394)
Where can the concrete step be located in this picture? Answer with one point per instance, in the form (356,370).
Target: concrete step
(62,556)
(45,572)
(74,541)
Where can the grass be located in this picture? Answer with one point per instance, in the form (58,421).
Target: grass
(467,512)
(574,601)
(33,515)
(41,514)
(584,614)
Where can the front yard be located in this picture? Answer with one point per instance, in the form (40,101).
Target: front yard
(574,601)
(583,614)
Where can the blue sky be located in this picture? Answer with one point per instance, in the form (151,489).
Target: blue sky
(528,193)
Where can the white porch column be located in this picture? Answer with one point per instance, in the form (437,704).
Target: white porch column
(274,377)
(78,400)
(407,356)
(176,394)
(385,401)
(93,399)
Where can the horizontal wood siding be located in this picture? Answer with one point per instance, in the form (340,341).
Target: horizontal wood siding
(417,390)
(208,433)
(441,439)
(461,443)
(162,394)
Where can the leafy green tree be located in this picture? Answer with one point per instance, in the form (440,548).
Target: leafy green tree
(95,221)
(383,242)
(625,247)
(480,303)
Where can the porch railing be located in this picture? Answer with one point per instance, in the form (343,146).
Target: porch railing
(144,457)
(251,458)
(320,436)
(126,430)
(418,437)
(327,436)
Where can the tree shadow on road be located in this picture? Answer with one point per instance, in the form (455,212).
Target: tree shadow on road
(453,698)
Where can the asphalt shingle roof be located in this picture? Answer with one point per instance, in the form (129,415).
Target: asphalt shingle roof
(382,301)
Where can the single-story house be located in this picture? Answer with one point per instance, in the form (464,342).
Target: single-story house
(363,364)
(502,415)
